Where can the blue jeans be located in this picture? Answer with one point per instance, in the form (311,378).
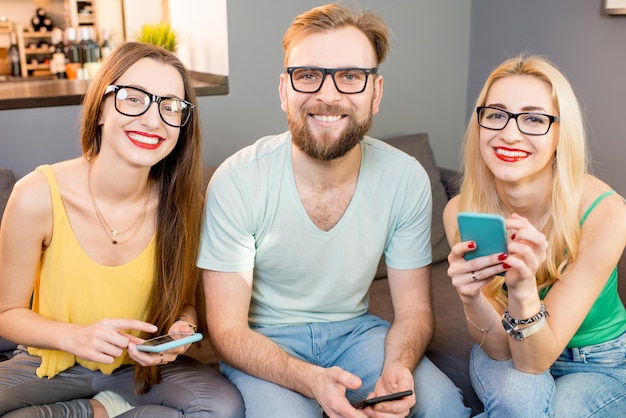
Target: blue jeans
(355,345)
(583,382)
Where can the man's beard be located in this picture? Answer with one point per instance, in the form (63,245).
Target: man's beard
(325,148)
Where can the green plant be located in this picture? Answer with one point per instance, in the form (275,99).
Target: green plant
(160,34)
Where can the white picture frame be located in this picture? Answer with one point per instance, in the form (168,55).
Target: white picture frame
(613,7)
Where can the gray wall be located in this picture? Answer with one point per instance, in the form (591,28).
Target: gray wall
(587,46)
(425,76)
(432,76)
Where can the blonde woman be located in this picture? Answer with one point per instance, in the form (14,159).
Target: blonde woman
(546,316)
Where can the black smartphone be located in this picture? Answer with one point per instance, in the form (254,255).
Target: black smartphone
(373,401)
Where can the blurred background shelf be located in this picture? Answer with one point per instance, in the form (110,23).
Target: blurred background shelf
(42,53)
(82,13)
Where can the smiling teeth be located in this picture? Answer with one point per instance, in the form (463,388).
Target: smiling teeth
(511,154)
(326,118)
(144,139)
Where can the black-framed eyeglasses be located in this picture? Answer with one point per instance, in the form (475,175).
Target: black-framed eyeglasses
(528,123)
(133,101)
(347,80)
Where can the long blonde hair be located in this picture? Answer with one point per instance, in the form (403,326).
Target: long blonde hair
(560,224)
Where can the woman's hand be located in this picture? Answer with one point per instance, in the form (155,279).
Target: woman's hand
(155,359)
(103,341)
(470,276)
(527,252)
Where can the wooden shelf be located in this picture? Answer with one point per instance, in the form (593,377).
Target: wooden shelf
(37,51)
(35,35)
(27,53)
(6,27)
(38,66)
(82,13)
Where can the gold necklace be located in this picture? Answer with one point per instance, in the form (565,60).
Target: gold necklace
(112,233)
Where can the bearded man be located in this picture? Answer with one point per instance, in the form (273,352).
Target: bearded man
(294,227)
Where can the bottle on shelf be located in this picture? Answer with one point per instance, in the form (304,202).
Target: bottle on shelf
(14,55)
(93,45)
(82,45)
(57,63)
(105,47)
(71,47)
(88,50)
(41,22)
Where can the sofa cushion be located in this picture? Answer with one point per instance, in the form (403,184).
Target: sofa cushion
(7,179)
(417,145)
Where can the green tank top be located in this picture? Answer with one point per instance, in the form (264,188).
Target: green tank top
(607,318)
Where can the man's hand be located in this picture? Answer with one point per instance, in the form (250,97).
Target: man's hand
(330,392)
(395,378)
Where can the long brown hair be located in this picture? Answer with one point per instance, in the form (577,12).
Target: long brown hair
(179,180)
(561,222)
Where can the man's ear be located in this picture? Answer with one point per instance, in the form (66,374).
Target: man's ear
(283,85)
(378,94)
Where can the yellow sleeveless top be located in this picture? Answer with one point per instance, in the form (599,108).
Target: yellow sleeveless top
(70,287)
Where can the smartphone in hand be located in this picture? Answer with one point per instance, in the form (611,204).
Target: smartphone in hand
(373,401)
(486,230)
(169,341)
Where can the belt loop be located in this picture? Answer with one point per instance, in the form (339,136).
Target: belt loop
(578,356)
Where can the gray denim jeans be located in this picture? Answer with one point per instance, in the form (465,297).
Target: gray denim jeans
(188,389)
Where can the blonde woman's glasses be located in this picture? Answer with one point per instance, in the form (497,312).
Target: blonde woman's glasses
(528,123)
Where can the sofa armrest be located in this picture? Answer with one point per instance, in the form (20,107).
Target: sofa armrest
(450,179)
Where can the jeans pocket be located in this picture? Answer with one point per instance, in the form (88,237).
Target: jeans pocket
(610,353)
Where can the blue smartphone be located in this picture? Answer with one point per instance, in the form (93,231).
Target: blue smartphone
(169,341)
(486,230)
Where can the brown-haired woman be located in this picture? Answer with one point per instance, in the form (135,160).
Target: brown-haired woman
(106,244)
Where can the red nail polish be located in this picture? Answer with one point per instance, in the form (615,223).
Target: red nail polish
(506,266)
(502,257)
(471,245)
(513,236)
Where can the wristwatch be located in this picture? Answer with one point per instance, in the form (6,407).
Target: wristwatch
(519,334)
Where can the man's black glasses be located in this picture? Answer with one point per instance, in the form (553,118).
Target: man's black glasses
(347,80)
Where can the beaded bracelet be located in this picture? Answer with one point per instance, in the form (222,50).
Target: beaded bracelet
(531,320)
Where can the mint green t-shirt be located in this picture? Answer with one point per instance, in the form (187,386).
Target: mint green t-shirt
(254,219)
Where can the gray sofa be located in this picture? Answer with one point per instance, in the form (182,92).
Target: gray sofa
(7,179)
(451,345)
